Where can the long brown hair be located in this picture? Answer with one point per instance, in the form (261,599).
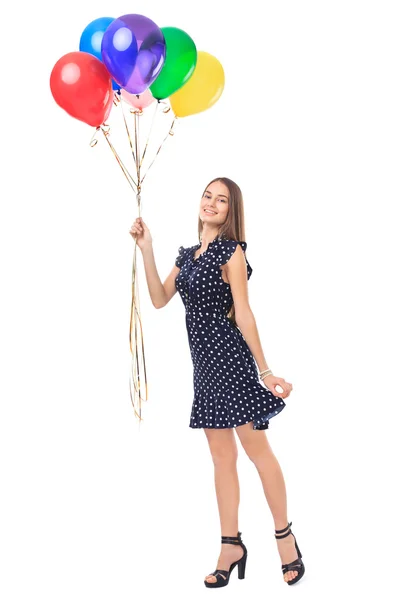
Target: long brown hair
(234,226)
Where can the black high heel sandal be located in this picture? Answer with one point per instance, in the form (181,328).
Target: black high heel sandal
(222,576)
(295,565)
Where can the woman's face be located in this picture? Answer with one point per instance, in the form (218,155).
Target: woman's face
(214,204)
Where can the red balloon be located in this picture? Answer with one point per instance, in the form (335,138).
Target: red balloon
(81,85)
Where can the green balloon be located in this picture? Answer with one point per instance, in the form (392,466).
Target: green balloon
(180,62)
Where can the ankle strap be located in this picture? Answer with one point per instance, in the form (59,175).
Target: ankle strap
(281,531)
(228,539)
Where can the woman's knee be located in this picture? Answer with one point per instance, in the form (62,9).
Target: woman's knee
(224,456)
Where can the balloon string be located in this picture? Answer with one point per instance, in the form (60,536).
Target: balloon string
(149,133)
(135,316)
(134,377)
(128,176)
(135,321)
(94,139)
(137,140)
(171,132)
(135,374)
(127,129)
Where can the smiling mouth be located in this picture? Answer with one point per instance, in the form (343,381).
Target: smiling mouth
(209,212)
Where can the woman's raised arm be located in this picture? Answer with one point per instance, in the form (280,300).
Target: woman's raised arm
(160,293)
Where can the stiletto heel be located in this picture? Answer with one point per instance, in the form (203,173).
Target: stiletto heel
(241,567)
(222,576)
(295,565)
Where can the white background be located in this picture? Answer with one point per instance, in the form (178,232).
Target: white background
(312,126)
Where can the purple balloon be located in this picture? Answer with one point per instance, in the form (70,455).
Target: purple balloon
(133,50)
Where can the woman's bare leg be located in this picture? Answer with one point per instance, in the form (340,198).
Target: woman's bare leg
(257,448)
(223,448)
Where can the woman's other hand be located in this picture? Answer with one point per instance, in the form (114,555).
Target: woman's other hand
(271,381)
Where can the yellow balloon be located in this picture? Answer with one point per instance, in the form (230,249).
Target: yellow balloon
(203,88)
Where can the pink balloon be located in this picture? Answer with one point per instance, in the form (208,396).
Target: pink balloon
(138,100)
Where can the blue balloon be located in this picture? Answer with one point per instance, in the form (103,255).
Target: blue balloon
(91,39)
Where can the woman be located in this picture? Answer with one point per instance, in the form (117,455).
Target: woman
(211,278)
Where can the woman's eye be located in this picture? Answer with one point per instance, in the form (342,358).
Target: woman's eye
(209,197)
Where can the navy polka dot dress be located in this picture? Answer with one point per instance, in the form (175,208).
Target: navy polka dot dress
(227,389)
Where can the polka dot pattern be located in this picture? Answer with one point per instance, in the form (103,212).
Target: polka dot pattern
(227,389)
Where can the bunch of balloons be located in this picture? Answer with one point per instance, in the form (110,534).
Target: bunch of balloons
(132,56)
(132,59)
